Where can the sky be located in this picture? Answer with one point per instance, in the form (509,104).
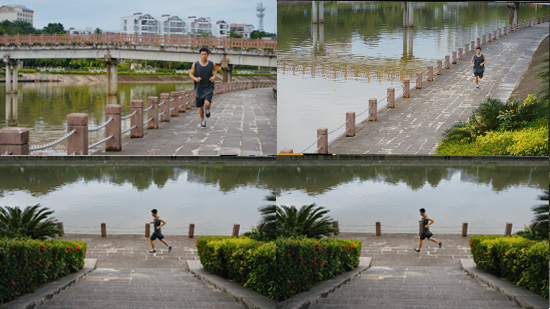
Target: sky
(106,14)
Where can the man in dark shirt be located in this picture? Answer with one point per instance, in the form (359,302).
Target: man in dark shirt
(426,230)
(201,73)
(157,233)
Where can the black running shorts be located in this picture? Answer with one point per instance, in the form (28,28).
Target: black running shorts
(200,102)
(155,236)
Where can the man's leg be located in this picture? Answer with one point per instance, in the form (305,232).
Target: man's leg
(420,245)
(152,244)
(164,242)
(477,82)
(435,240)
(201,112)
(207,103)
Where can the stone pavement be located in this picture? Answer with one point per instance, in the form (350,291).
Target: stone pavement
(402,278)
(242,123)
(128,276)
(416,124)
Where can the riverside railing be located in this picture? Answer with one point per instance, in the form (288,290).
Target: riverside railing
(15,141)
(374,106)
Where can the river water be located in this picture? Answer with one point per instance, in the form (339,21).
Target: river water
(43,108)
(361,49)
(214,196)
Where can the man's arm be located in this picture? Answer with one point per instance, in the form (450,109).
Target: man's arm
(163,223)
(472,60)
(215,72)
(192,74)
(484,60)
(429,220)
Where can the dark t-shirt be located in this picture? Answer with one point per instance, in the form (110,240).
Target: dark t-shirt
(477,63)
(425,230)
(205,86)
(156,223)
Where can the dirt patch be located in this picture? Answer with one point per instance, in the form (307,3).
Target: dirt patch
(529,83)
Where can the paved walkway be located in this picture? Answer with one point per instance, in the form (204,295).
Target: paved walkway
(128,276)
(416,124)
(401,278)
(242,123)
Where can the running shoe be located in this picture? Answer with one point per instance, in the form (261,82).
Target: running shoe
(152,251)
(203,123)
(417,250)
(477,86)
(440,244)
(170,248)
(207,112)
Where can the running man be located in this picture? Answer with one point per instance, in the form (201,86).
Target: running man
(157,233)
(201,73)
(426,230)
(478,62)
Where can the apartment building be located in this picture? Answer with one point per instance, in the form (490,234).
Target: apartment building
(139,24)
(173,25)
(13,12)
(243,29)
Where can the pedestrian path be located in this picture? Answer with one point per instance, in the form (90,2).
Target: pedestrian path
(416,124)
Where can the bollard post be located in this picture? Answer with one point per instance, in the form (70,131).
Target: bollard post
(460,53)
(439,67)
(489,37)
(336,227)
(322,141)
(147,230)
(137,119)
(391,97)
(447,62)
(174,109)
(494,34)
(103,229)
(153,113)
(464,229)
(287,150)
(378,228)
(236,227)
(182,101)
(430,73)
(78,142)
(113,128)
(191,99)
(473,47)
(508,230)
(61,228)
(373,109)
(499,32)
(454,57)
(418,80)
(466,49)
(165,107)
(14,141)
(191,232)
(350,124)
(478,42)
(406,91)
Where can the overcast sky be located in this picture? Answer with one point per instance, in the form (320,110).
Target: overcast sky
(106,14)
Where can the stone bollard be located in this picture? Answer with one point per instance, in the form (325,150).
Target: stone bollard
(466,49)
(336,227)
(378,228)
(447,62)
(175,102)
(439,67)
(464,229)
(236,228)
(494,34)
(430,73)
(287,150)
(103,229)
(484,40)
(489,37)
(78,142)
(473,49)
(153,113)
(182,99)
(418,80)
(164,109)
(113,128)
(350,124)
(15,141)
(322,141)
(499,32)
(508,230)
(460,53)
(509,27)
(61,228)
(373,108)
(391,97)
(454,57)
(137,119)
(191,232)
(406,85)
(147,230)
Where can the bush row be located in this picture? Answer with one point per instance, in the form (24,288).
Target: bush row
(278,269)
(27,263)
(514,258)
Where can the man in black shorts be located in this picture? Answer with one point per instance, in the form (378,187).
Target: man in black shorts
(478,62)
(426,230)
(201,73)
(157,233)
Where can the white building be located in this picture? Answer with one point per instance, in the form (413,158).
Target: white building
(243,29)
(220,29)
(13,12)
(172,25)
(87,30)
(140,24)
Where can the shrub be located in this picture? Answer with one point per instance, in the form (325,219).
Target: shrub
(526,142)
(26,263)
(517,259)
(32,222)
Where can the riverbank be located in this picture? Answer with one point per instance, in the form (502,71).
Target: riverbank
(529,83)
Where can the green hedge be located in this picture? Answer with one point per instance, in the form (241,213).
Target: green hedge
(514,258)
(27,263)
(278,269)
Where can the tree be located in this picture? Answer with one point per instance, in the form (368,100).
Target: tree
(97,30)
(32,222)
(234,35)
(52,28)
(541,216)
(260,34)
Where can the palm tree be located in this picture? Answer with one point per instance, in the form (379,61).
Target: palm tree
(541,216)
(32,222)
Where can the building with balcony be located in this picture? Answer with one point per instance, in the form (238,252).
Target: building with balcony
(139,24)
(13,12)
(171,25)
(242,29)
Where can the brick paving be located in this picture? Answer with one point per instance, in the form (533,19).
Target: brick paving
(416,124)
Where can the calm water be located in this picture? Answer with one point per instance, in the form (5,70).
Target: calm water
(362,49)
(43,108)
(216,196)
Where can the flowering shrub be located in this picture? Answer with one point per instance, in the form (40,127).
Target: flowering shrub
(517,259)
(27,263)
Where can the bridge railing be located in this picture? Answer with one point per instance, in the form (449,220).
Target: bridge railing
(143,39)
(15,141)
